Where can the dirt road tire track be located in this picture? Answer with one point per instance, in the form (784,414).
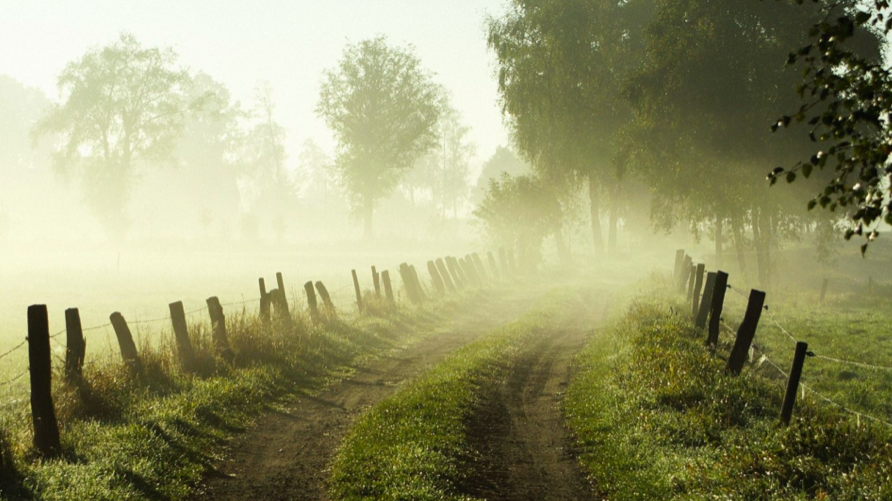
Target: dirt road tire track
(285,455)
(524,450)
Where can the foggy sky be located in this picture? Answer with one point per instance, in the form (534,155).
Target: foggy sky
(287,43)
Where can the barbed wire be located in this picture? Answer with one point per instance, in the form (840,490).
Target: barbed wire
(13,349)
(16,378)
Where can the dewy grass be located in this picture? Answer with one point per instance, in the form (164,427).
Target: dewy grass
(412,445)
(153,436)
(658,417)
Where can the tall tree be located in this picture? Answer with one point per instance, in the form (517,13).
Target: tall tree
(383,109)
(561,66)
(503,161)
(123,105)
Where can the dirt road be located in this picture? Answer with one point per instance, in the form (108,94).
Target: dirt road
(285,456)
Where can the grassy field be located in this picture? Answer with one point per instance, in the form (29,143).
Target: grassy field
(153,436)
(659,417)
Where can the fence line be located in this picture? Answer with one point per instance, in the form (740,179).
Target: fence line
(15,378)
(10,351)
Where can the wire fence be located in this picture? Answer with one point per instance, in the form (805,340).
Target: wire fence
(764,358)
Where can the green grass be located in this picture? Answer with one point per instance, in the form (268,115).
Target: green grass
(658,417)
(412,446)
(154,436)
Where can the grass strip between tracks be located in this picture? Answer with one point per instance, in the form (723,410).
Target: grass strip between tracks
(659,418)
(412,446)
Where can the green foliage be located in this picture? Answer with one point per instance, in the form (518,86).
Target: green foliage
(846,92)
(383,109)
(519,211)
(660,418)
(123,104)
(503,161)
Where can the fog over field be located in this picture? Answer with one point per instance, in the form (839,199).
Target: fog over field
(526,172)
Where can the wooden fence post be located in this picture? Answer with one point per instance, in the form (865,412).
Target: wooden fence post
(793,382)
(465,279)
(453,270)
(824,289)
(283,299)
(691,280)
(435,277)
(408,283)
(493,266)
(181,335)
(468,268)
(695,295)
(444,274)
(311,301)
(715,310)
(388,290)
(705,301)
(419,289)
(326,298)
(356,289)
(218,333)
(685,274)
(376,281)
(746,332)
(480,269)
(125,341)
(679,262)
(264,303)
(76,348)
(43,413)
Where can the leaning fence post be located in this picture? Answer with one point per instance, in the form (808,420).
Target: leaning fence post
(418,287)
(125,341)
(453,271)
(706,300)
(283,298)
(793,382)
(388,290)
(376,281)
(695,295)
(408,283)
(435,277)
(356,289)
(679,262)
(43,413)
(493,266)
(181,334)
(311,300)
(326,298)
(691,280)
(715,311)
(76,348)
(746,332)
(444,274)
(264,303)
(219,335)
(685,274)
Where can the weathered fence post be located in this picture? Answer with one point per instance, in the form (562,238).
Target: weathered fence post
(376,281)
(453,270)
(435,277)
(418,287)
(408,283)
(125,341)
(264,303)
(76,348)
(444,274)
(357,290)
(793,382)
(218,332)
(326,298)
(311,301)
(824,288)
(691,280)
(698,284)
(493,266)
(715,310)
(685,274)
(679,262)
(388,290)
(746,332)
(181,335)
(706,301)
(43,413)
(465,279)
(283,299)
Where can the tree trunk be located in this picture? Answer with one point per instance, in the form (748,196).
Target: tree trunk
(595,201)
(719,241)
(738,244)
(763,233)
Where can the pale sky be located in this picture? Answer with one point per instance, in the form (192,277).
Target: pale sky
(288,43)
